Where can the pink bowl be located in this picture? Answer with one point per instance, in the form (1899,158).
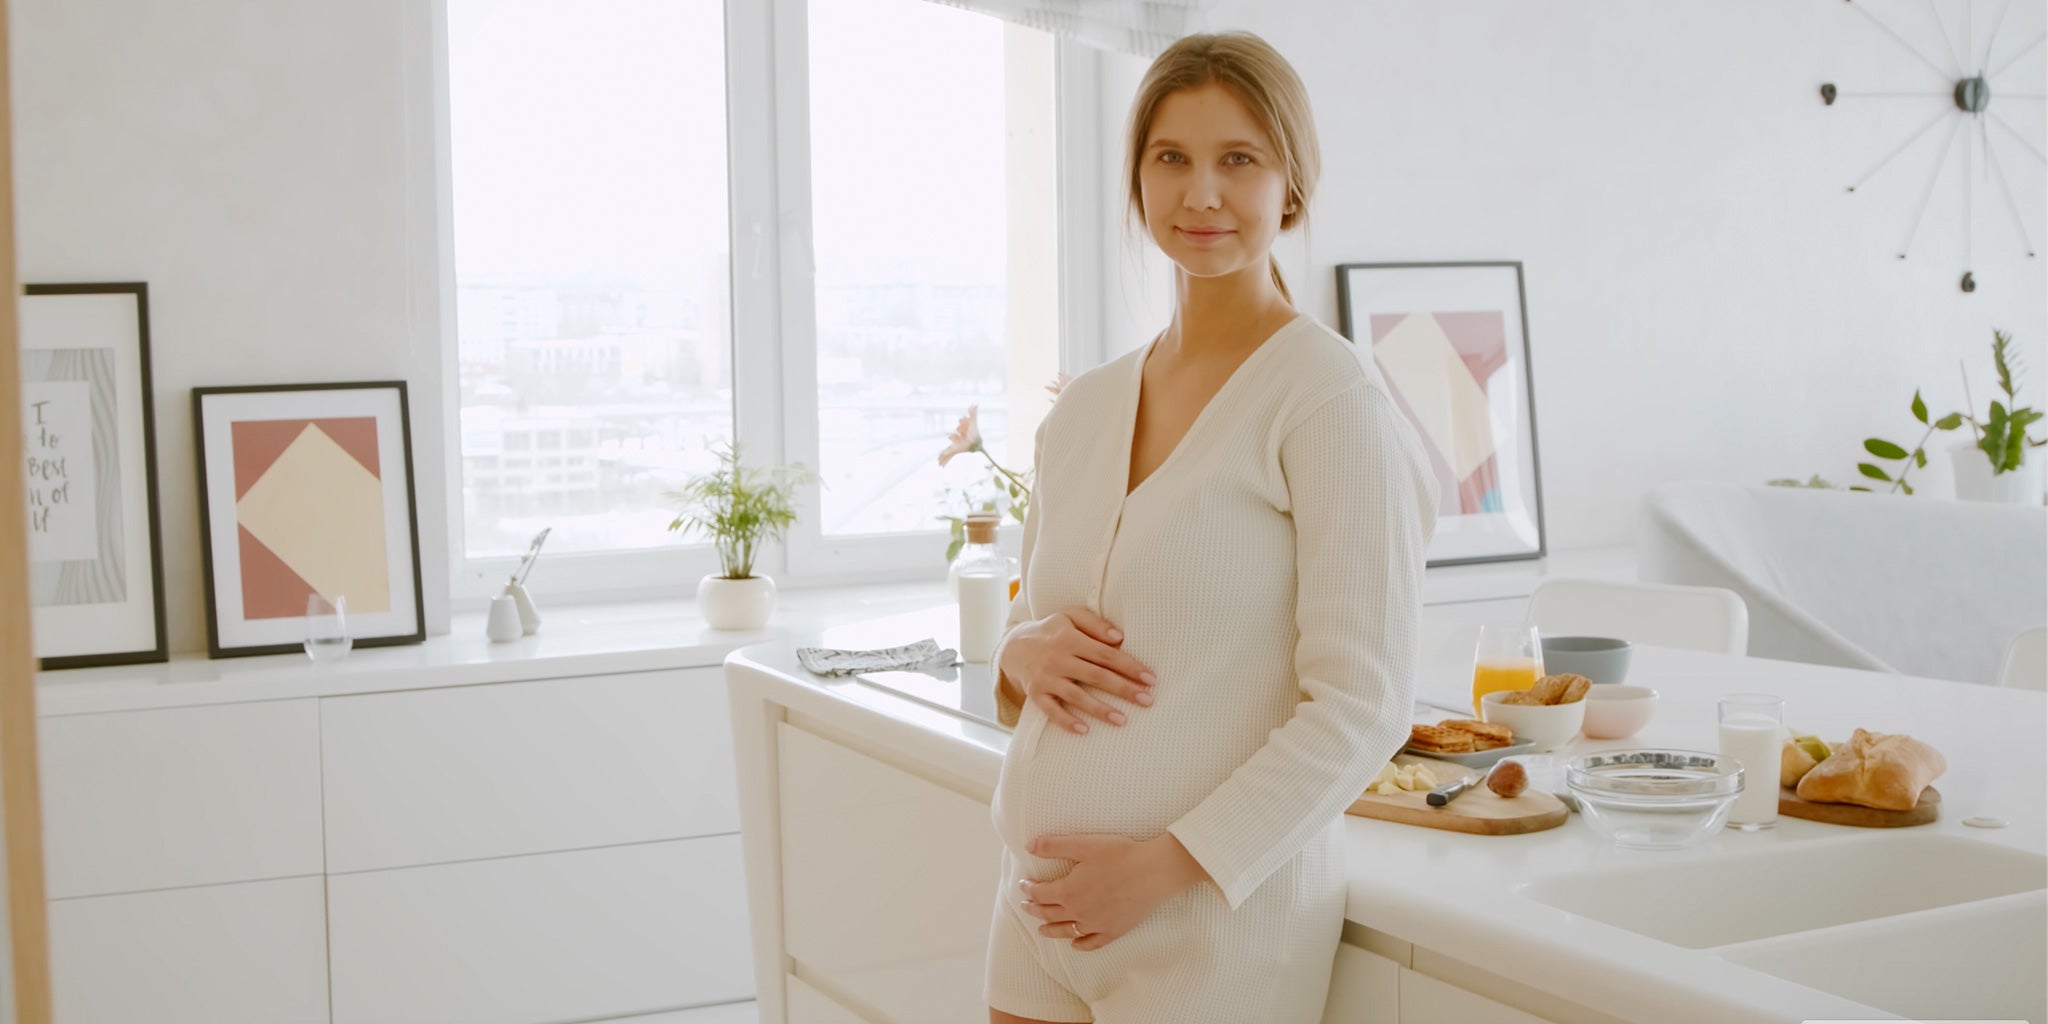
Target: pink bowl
(1617,710)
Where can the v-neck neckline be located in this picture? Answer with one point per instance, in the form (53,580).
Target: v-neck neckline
(1137,393)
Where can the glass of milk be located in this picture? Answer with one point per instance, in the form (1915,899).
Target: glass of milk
(1752,733)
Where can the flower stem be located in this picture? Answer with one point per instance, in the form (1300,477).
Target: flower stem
(998,467)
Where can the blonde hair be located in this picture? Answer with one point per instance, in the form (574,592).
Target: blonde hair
(1267,85)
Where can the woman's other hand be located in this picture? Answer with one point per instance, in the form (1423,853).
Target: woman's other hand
(1064,663)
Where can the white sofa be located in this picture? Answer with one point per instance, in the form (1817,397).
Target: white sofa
(1922,586)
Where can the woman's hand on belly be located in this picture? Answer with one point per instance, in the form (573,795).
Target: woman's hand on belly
(1063,661)
(1115,885)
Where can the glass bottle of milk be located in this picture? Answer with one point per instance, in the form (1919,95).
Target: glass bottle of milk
(1752,733)
(984,582)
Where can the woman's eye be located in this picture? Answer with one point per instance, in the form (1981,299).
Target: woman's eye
(1169,157)
(1238,159)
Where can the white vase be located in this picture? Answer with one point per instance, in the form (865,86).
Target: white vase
(1976,482)
(736,604)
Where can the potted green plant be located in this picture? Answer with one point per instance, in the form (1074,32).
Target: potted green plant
(737,508)
(1993,466)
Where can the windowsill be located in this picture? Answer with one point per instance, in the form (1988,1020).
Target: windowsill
(638,636)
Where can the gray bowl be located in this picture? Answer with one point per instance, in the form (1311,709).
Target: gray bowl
(1599,658)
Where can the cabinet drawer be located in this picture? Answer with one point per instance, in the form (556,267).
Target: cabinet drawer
(726,1013)
(467,772)
(138,800)
(554,937)
(1365,988)
(846,870)
(1425,1000)
(810,1006)
(253,953)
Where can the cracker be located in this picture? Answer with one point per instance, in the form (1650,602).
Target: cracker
(1548,689)
(1575,688)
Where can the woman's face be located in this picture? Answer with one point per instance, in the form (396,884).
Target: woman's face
(1211,184)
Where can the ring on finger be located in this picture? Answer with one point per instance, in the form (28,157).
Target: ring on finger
(1076,926)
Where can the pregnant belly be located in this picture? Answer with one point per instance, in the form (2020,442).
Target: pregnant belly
(1133,780)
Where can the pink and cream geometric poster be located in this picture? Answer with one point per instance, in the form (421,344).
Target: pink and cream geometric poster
(1449,341)
(307,490)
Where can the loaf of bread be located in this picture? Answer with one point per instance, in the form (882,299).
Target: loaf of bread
(1885,771)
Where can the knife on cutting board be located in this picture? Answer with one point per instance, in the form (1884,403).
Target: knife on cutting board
(1449,791)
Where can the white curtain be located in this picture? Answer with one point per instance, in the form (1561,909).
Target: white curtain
(1138,27)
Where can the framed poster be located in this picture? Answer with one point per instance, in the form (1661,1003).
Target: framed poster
(95,574)
(307,490)
(1452,342)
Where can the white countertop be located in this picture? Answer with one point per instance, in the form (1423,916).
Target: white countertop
(573,640)
(1457,894)
(594,639)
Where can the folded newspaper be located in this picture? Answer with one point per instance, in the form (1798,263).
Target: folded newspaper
(827,661)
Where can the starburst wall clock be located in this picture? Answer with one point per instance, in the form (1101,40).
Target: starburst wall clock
(1973,106)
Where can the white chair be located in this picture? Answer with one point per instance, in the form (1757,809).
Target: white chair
(2026,661)
(1663,614)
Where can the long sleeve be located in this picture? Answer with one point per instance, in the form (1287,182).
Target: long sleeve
(1364,509)
(1008,707)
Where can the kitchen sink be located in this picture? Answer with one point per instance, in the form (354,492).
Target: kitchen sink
(1976,961)
(1704,900)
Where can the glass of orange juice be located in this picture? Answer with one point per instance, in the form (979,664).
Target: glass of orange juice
(1508,658)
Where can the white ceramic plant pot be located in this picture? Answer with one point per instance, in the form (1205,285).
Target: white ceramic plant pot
(1976,482)
(736,604)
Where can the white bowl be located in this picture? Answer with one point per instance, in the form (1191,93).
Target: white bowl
(1616,711)
(1545,725)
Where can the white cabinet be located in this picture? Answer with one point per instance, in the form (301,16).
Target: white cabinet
(728,1013)
(1425,1000)
(434,776)
(811,1006)
(253,953)
(138,800)
(857,834)
(1364,989)
(553,937)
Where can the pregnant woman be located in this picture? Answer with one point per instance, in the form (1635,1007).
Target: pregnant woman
(1214,647)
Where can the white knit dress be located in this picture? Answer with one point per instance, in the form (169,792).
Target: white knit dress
(1269,572)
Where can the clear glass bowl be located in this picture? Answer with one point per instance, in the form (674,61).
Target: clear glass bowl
(1654,799)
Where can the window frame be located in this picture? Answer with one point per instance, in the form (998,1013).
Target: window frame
(774,387)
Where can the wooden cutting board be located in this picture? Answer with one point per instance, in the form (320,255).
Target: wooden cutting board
(1791,806)
(1477,810)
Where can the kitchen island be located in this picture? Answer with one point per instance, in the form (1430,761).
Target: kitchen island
(871,863)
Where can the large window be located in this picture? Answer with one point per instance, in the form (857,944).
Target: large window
(588,153)
(895,263)
(929,137)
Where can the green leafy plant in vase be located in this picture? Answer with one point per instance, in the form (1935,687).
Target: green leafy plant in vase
(2001,438)
(738,509)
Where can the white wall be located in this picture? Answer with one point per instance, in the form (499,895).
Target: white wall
(246,158)
(1705,300)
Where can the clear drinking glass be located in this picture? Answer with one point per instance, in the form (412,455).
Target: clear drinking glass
(327,636)
(1507,658)
(1752,732)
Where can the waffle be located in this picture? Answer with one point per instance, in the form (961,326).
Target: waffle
(1441,740)
(1484,730)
